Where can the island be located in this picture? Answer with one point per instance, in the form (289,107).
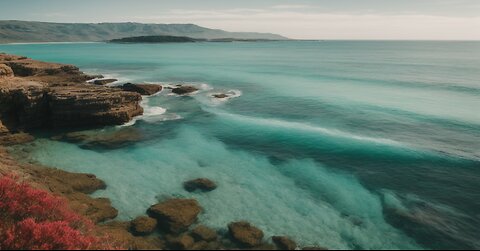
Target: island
(176,39)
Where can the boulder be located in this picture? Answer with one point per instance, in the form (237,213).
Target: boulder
(201,184)
(143,225)
(284,243)
(142,89)
(203,233)
(245,234)
(184,89)
(182,242)
(5,71)
(175,215)
(84,183)
(221,95)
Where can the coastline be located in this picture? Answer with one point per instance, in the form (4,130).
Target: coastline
(56,96)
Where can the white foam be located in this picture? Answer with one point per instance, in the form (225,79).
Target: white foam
(152,114)
(307,127)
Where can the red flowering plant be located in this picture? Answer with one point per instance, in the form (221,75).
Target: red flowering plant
(32,219)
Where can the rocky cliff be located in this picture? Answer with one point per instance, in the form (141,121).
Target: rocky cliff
(36,94)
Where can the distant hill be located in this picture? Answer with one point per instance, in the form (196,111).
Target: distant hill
(25,31)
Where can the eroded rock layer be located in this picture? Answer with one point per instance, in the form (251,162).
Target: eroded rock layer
(36,94)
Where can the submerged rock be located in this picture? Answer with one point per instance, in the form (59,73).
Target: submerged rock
(284,243)
(175,215)
(202,184)
(245,234)
(184,89)
(182,242)
(142,89)
(203,233)
(143,225)
(109,140)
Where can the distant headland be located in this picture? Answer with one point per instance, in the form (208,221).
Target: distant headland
(12,31)
(176,39)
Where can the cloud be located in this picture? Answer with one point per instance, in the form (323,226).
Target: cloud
(290,7)
(296,23)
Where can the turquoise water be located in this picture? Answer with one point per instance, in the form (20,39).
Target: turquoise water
(342,144)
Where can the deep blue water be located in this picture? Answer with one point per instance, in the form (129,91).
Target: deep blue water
(341,144)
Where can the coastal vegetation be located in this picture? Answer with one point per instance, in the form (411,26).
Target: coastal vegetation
(32,219)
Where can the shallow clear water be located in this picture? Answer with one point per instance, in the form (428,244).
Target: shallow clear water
(341,144)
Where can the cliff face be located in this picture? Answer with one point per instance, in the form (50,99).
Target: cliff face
(36,94)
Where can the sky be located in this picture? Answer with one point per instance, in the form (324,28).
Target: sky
(299,19)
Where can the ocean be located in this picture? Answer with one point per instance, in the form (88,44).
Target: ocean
(340,144)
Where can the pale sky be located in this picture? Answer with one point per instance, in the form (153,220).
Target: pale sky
(301,19)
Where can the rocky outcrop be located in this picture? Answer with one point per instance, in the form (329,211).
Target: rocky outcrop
(74,187)
(175,215)
(75,106)
(56,95)
(143,225)
(184,89)
(284,243)
(30,105)
(245,234)
(44,71)
(23,103)
(201,184)
(5,71)
(142,89)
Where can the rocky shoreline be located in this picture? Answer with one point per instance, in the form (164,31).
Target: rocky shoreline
(37,95)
